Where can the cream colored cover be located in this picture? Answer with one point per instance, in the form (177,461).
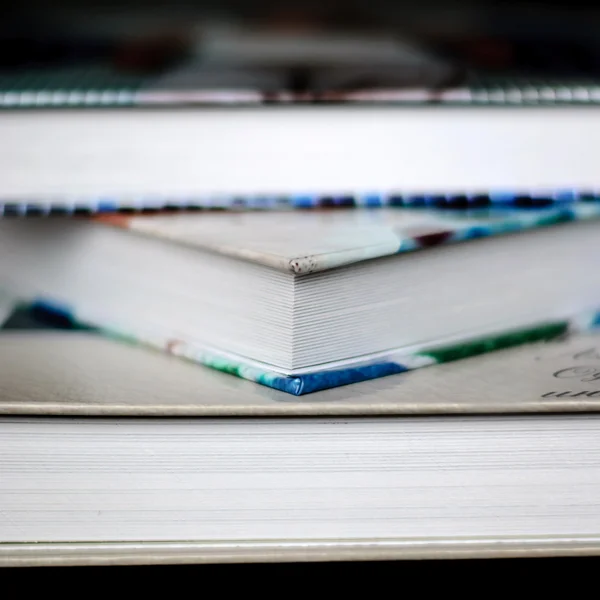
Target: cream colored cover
(157,553)
(56,373)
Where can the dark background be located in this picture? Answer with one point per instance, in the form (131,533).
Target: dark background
(510,577)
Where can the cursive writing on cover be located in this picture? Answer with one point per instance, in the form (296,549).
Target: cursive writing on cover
(589,374)
(581,373)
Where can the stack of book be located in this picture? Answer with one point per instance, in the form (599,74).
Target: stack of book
(367,227)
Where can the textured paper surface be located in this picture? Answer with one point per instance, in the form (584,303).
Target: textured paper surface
(337,481)
(70,373)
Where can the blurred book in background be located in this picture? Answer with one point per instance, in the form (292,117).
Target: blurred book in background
(297,56)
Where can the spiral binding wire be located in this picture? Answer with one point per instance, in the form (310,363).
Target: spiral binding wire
(521,91)
(92,87)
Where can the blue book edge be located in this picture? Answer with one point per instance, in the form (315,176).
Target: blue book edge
(55,315)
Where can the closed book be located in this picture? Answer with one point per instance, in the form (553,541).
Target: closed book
(326,477)
(309,301)
(295,156)
(255,116)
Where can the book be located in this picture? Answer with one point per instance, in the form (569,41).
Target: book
(303,302)
(114,490)
(65,494)
(306,118)
(84,374)
(298,156)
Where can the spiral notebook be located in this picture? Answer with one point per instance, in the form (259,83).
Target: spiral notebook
(206,63)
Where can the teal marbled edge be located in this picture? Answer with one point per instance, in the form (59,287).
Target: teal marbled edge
(503,223)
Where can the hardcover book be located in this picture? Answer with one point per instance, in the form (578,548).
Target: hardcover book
(303,117)
(303,302)
(231,489)
(113,490)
